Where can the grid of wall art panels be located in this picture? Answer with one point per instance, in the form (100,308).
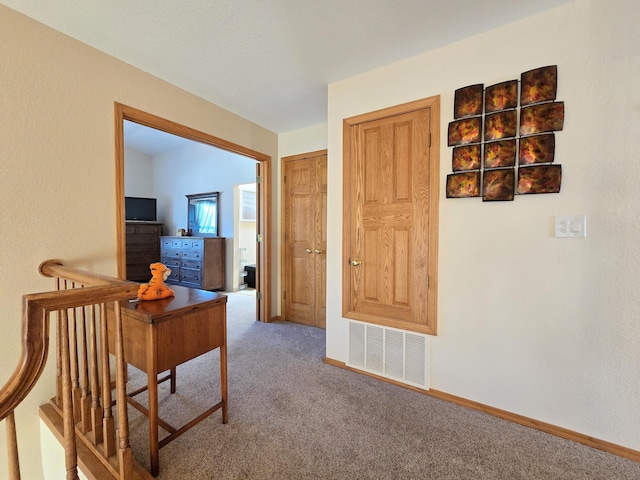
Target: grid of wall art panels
(502,138)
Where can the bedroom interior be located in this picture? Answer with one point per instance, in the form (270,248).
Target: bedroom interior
(148,154)
(532,327)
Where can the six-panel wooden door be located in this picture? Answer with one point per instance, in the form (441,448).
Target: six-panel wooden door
(305,226)
(390,217)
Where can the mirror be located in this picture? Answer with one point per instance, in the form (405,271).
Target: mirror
(203,214)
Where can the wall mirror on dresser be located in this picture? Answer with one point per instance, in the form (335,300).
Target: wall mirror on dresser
(197,260)
(203,214)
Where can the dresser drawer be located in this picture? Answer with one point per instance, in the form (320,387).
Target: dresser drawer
(148,229)
(192,263)
(190,276)
(172,262)
(143,245)
(174,277)
(191,254)
(192,243)
(169,253)
(143,258)
(141,272)
(172,243)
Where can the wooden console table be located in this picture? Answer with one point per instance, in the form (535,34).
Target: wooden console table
(160,335)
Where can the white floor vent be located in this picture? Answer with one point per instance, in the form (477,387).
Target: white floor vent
(396,354)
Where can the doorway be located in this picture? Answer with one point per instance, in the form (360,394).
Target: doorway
(244,238)
(263,194)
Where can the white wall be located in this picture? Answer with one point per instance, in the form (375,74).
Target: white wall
(544,327)
(58,191)
(138,174)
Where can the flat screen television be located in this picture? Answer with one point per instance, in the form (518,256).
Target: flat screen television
(140,209)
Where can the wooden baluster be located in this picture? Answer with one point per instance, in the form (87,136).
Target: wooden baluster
(85,401)
(73,362)
(108,425)
(58,353)
(96,408)
(125,459)
(67,401)
(12,448)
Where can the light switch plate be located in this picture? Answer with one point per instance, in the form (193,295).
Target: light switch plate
(570,226)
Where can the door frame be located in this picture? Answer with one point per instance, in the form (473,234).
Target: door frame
(263,225)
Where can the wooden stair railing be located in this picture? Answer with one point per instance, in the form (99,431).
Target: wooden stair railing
(81,412)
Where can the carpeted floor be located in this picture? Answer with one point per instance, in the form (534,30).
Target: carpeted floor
(291,416)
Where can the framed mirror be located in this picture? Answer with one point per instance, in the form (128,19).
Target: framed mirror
(203,212)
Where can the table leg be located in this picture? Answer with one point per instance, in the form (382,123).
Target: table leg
(154,455)
(152,382)
(223,382)
(173,380)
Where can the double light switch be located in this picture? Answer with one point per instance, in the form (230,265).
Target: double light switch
(571,226)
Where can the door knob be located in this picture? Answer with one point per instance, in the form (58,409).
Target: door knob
(355,263)
(308,250)
(317,251)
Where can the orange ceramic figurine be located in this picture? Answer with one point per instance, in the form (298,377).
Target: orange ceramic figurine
(156,289)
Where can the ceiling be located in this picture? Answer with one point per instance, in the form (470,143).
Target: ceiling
(150,141)
(270,61)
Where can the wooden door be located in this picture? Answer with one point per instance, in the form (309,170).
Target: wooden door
(391,195)
(305,240)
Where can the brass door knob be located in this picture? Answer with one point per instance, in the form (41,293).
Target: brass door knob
(317,251)
(355,263)
(308,250)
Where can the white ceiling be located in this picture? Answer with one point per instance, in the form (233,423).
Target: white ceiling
(271,61)
(150,141)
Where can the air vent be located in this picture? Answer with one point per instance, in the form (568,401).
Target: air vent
(396,354)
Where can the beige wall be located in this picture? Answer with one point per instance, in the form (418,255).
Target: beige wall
(303,140)
(58,172)
(545,327)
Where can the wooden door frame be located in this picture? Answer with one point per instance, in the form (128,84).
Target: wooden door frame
(124,112)
(433,103)
(283,219)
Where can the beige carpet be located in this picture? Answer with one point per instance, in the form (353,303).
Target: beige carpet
(247,291)
(293,417)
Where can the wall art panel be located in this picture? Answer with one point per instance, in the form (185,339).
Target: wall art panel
(466,158)
(498,185)
(465,131)
(461,185)
(539,179)
(537,149)
(539,85)
(500,154)
(501,96)
(503,138)
(468,101)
